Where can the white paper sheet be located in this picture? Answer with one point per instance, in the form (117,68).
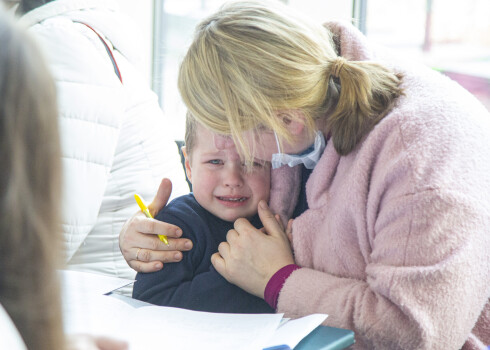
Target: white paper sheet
(87,310)
(158,327)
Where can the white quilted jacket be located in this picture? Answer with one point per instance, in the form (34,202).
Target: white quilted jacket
(114,137)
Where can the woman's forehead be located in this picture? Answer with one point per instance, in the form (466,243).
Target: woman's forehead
(223,142)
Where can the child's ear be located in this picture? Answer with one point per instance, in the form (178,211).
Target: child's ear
(187,164)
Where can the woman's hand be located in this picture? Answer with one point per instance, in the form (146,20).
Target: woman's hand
(250,257)
(139,242)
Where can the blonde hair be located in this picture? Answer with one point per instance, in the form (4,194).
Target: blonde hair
(251,60)
(29,192)
(190,133)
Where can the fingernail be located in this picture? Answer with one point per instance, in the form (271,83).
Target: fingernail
(263,204)
(188,245)
(177,256)
(178,232)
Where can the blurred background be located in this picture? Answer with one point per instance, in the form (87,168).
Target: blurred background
(451,36)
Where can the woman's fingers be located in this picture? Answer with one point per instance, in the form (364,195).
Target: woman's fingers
(232,236)
(278,219)
(218,259)
(160,251)
(289,231)
(142,232)
(249,257)
(151,226)
(272,226)
(151,260)
(146,267)
(219,264)
(146,260)
(143,250)
(224,249)
(161,198)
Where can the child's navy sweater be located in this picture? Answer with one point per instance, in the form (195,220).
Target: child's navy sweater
(193,283)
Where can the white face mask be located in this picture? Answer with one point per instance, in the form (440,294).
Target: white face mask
(309,158)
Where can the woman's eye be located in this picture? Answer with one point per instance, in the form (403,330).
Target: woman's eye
(255,165)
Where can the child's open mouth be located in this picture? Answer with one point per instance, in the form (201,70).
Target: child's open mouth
(233,199)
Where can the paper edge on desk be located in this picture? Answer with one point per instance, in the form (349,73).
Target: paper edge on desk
(113,283)
(285,333)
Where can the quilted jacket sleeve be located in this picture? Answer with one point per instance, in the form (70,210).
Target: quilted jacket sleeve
(90,100)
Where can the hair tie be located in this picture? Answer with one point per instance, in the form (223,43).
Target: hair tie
(337,66)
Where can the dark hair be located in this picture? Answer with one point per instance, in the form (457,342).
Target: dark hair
(30,180)
(29,5)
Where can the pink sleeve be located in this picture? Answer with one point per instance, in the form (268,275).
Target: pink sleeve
(429,298)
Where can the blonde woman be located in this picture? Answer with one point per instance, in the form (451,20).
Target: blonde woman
(30,192)
(384,164)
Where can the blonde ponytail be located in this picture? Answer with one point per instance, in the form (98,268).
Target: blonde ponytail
(360,94)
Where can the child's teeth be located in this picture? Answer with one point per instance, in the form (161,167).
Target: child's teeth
(234,199)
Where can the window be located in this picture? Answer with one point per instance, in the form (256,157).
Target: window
(448,35)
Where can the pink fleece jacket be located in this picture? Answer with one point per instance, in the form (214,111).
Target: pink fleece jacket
(396,242)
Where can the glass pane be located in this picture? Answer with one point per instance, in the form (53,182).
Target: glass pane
(179,19)
(448,35)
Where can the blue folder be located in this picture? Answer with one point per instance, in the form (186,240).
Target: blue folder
(323,338)
(327,338)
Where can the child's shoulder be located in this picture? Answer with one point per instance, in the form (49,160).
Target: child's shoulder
(186,213)
(183,205)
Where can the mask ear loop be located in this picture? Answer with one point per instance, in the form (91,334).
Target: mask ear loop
(277,143)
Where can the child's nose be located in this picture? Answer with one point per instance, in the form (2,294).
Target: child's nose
(233,176)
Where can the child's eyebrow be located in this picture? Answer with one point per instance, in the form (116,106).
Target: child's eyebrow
(213,154)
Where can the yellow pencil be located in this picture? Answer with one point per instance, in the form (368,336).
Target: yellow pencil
(145,210)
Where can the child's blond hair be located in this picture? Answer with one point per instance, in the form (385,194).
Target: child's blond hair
(190,133)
